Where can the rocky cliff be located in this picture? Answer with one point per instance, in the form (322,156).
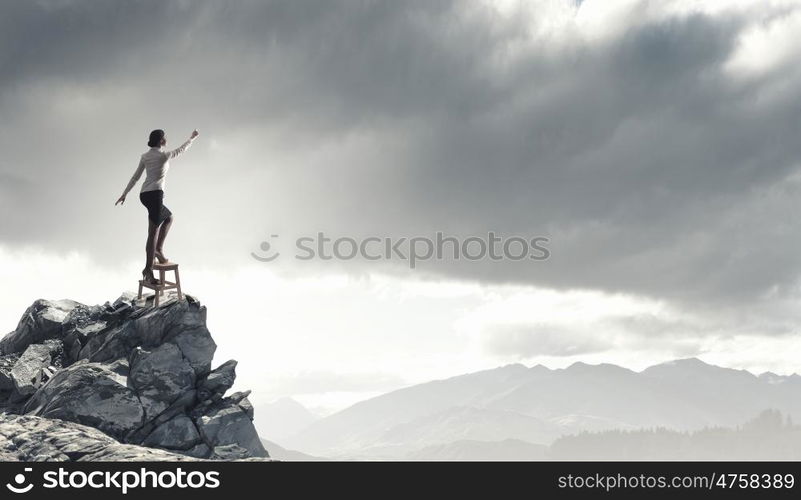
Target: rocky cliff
(140,375)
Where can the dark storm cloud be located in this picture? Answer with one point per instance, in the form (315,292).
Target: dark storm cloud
(651,168)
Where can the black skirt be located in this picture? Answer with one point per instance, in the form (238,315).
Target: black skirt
(154,202)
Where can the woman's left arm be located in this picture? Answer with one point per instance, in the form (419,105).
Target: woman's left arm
(134,179)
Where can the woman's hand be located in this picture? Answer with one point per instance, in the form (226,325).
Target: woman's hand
(120,201)
(195,133)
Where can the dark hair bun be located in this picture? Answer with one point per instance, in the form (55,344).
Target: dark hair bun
(155,138)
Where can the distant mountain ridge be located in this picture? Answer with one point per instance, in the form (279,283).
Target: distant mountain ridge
(285,416)
(538,404)
(768,436)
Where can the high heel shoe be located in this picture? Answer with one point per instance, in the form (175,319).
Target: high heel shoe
(150,279)
(159,258)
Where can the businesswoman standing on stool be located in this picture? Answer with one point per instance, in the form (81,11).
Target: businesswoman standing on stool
(156,163)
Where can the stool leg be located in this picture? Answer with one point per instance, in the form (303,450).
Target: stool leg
(178,284)
(156,298)
(140,290)
(162,277)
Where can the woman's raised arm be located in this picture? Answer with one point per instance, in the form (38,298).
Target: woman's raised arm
(183,147)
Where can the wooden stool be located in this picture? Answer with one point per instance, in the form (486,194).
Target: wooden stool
(163,283)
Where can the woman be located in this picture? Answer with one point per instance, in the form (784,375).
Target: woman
(156,163)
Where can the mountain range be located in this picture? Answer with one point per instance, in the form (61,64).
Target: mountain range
(536,405)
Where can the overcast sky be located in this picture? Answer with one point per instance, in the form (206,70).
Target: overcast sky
(654,143)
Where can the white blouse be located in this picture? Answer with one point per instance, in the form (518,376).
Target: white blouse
(156,162)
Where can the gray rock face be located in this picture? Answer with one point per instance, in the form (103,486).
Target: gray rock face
(36,439)
(179,433)
(90,394)
(218,381)
(229,452)
(228,425)
(40,322)
(141,375)
(27,373)
(159,377)
(6,384)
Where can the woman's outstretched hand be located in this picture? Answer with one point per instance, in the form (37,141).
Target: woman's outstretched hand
(120,201)
(195,133)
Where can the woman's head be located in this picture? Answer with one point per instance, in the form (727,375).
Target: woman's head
(157,139)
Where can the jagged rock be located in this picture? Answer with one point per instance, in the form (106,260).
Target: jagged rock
(82,323)
(140,374)
(202,450)
(180,323)
(240,398)
(42,321)
(107,344)
(189,333)
(230,425)
(179,433)
(33,439)
(237,397)
(7,362)
(247,407)
(120,367)
(229,452)
(28,371)
(218,381)
(182,405)
(159,377)
(206,407)
(91,394)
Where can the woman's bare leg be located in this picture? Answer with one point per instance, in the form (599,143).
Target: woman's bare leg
(163,230)
(150,247)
